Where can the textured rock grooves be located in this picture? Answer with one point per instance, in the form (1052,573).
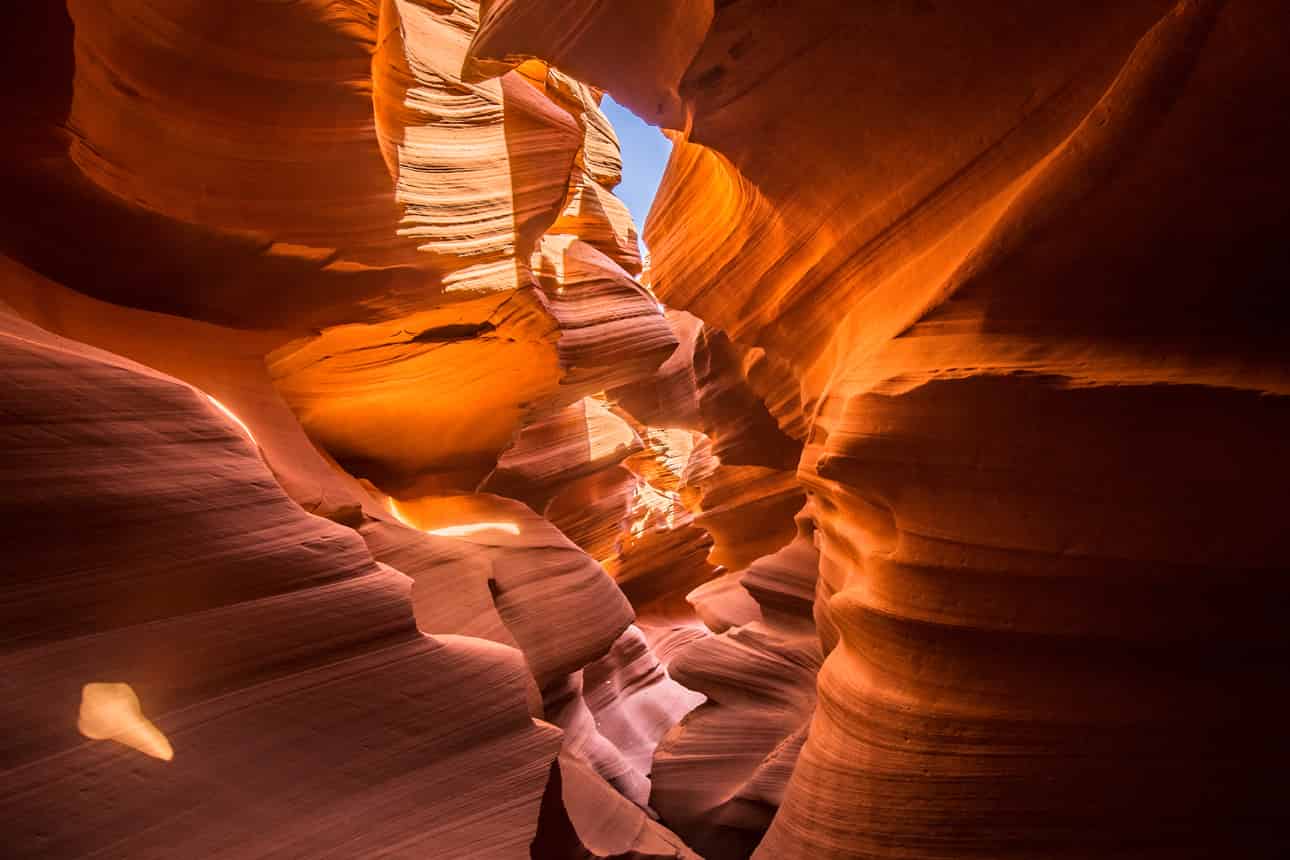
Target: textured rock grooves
(1024,261)
(327,534)
(360,499)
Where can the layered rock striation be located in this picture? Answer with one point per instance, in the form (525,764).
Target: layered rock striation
(280,662)
(1022,262)
(359,498)
(279,286)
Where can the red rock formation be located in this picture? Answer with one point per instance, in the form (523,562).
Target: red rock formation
(1022,260)
(389,211)
(663,526)
(712,385)
(308,217)
(491,567)
(150,546)
(576,442)
(720,775)
(533,590)
(616,710)
(482,172)
(582,818)
(293,295)
(646,46)
(714,464)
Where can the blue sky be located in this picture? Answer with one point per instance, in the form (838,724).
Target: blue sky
(645,154)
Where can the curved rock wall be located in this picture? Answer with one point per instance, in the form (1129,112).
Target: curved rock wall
(278,287)
(360,499)
(150,546)
(1023,261)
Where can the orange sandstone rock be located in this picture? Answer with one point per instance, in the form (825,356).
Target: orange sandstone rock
(152,547)
(1022,261)
(340,247)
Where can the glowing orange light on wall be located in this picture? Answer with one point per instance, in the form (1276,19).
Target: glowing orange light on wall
(112,712)
(231,414)
(464,530)
(474,528)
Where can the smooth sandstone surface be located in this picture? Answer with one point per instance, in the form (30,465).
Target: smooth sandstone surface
(1022,263)
(280,239)
(367,491)
(720,775)
(243,625)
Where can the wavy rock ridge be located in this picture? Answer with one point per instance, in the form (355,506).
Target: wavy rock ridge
(279,287)
(1021,262)
(361,498)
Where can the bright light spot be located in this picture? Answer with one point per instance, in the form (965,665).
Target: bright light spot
(229,412)
(398,514)
(475,528)
(674,450)
(451,531)
(112,712)
(657,508)
(661,309)
(606,432)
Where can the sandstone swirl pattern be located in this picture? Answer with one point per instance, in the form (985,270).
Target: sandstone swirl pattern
(278,287)
(365,495)
(1023,260)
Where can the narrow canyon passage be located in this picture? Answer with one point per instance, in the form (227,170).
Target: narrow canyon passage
(368,490)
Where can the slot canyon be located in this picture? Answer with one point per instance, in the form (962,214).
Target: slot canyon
(914,483)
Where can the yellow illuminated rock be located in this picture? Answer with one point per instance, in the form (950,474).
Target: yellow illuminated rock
(111,712)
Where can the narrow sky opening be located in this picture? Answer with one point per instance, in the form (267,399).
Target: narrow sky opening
(645,154)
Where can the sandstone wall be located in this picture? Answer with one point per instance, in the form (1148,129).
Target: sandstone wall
(1024,261)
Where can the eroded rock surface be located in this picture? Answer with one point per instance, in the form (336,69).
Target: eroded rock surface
(279,286)
(279,659)
(362,498)
(1022,261)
